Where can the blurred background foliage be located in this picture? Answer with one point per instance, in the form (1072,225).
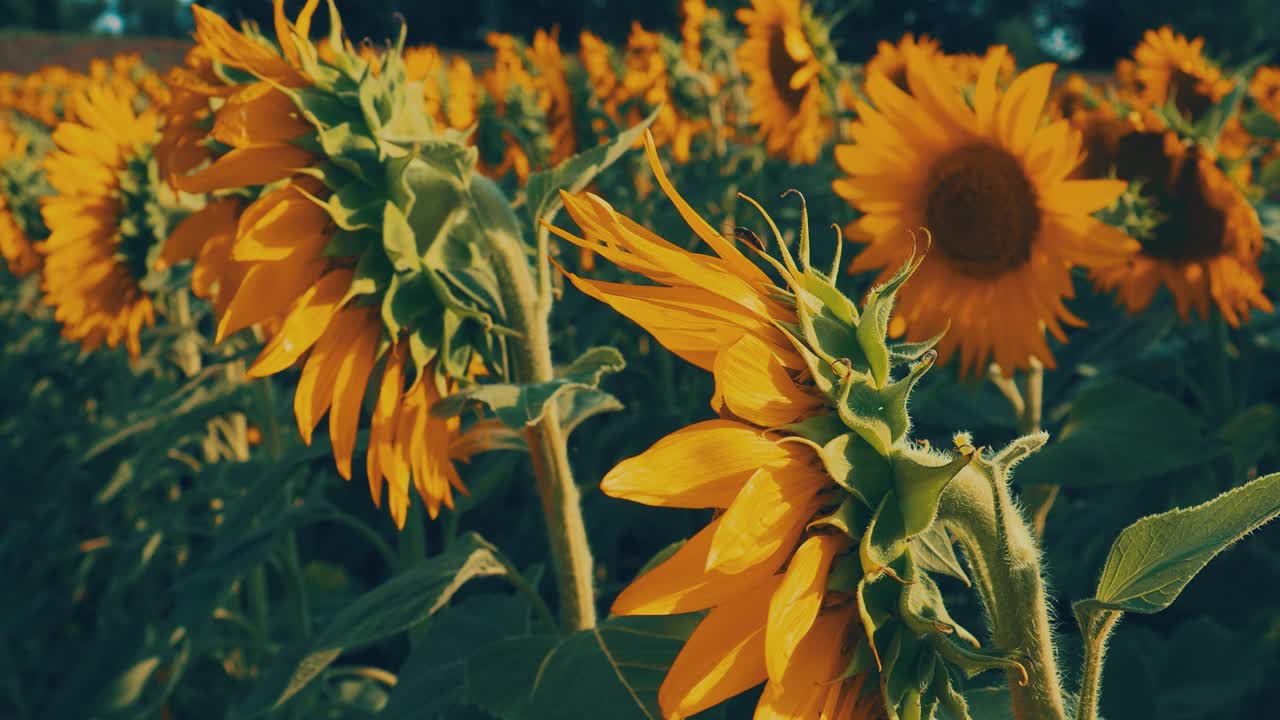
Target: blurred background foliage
(1084,33)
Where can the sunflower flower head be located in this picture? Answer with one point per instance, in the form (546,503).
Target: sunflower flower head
(355,242)
(22,184)
(1200,237)
(810,571)
(789,60)
(890,59)
(107,219)
(990,184)
(515,132)
(1171,69)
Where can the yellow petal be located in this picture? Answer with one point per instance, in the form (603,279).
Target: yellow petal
(304,325)
(767,517)
(682,583)
(796,604)
(349,385)
(382,425)
(756,387)
(702,465)
(268,290)
(246,167)
(258,114)
(723,657)
(315,388)
(804,689)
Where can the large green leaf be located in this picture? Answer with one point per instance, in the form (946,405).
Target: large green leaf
(613,670)
(1119,432)
(1154,559)
(542,192)
(518,406)
(393,607)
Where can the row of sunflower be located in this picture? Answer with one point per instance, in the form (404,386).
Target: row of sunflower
(381,218)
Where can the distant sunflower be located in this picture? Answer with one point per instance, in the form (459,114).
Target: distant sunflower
(554,94)
(1205,240)
(1265,89)
(990,185)
(1171,67)
(514,124)
(17,171)
(767,567)
(890,59)
(99,238)
(693,17)
(967,66)
(784,58)
(292,263)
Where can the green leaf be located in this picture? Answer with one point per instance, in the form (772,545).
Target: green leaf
(934,551)
(1119,432)
(612,670)
(393,607)
(542,192)
(1154,559)
(1261,124)
(500,675)
(519,406)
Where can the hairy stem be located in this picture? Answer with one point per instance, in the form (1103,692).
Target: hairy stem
(1095,649)
(527,309)
(1005,564)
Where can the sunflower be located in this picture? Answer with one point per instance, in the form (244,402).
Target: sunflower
(967,66)
(1169,67)
(784,58)
(785,567)
(1265,89)
(315,253)
(554,95)
(694,15)
(646,85)
(99,233)
(990,184)
(1204,237)
(19,182)
(890,59)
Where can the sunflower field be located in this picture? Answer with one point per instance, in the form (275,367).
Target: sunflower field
(726,373)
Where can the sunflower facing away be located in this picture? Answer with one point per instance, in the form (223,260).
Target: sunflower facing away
(989,183)
(1169,67)
(1201,238)
(890,59)
(321,249)
(803,389)
(784,57)
(99,220)
(19,182)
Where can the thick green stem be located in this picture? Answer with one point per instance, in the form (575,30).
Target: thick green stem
(1005,564)
(526,307)
(1095,650)
(413,550)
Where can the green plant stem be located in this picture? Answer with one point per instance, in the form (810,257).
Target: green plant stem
(527,305)
(186,347)
(413,550)
(1219,368)
(1005,564)
(1095,650)
(1039,498)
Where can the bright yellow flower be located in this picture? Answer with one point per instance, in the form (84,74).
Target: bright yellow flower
(757,566)
(554,95)
(1204,248)
(694,15)
(94,260)
(15,243)
(282,260)
(890,59)
(782,58)
(1171,67)
(1265,89)
(989,183)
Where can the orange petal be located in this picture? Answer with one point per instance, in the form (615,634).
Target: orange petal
(796,604)
(767,517)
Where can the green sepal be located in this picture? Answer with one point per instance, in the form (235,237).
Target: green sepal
(850,517)
(353,243)
(919,487)
(923,610)
(822,370)
(971,661)
(874,325)
(894,397)
(856,466)
(408,297)
(861,407)
(845,575)
(898,681)
(818,429)
(884,542)
(877,605)
(833,301)
(372,274)
(398,240)
(350,147)
(933,551)
(943,689)
(322,108)
(913,351)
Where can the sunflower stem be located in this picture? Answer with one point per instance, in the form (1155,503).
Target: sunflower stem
(1095,650)
(1005,563)
(187,348)
(412,543)
(1038,497)
(528,314)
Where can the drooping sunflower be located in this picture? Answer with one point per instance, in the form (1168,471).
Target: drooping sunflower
(100,230)
(802,595)
(991,186)
(322,249)
(1169,67)
(20,187)
(890,59)
(784,57)
(1202,238)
